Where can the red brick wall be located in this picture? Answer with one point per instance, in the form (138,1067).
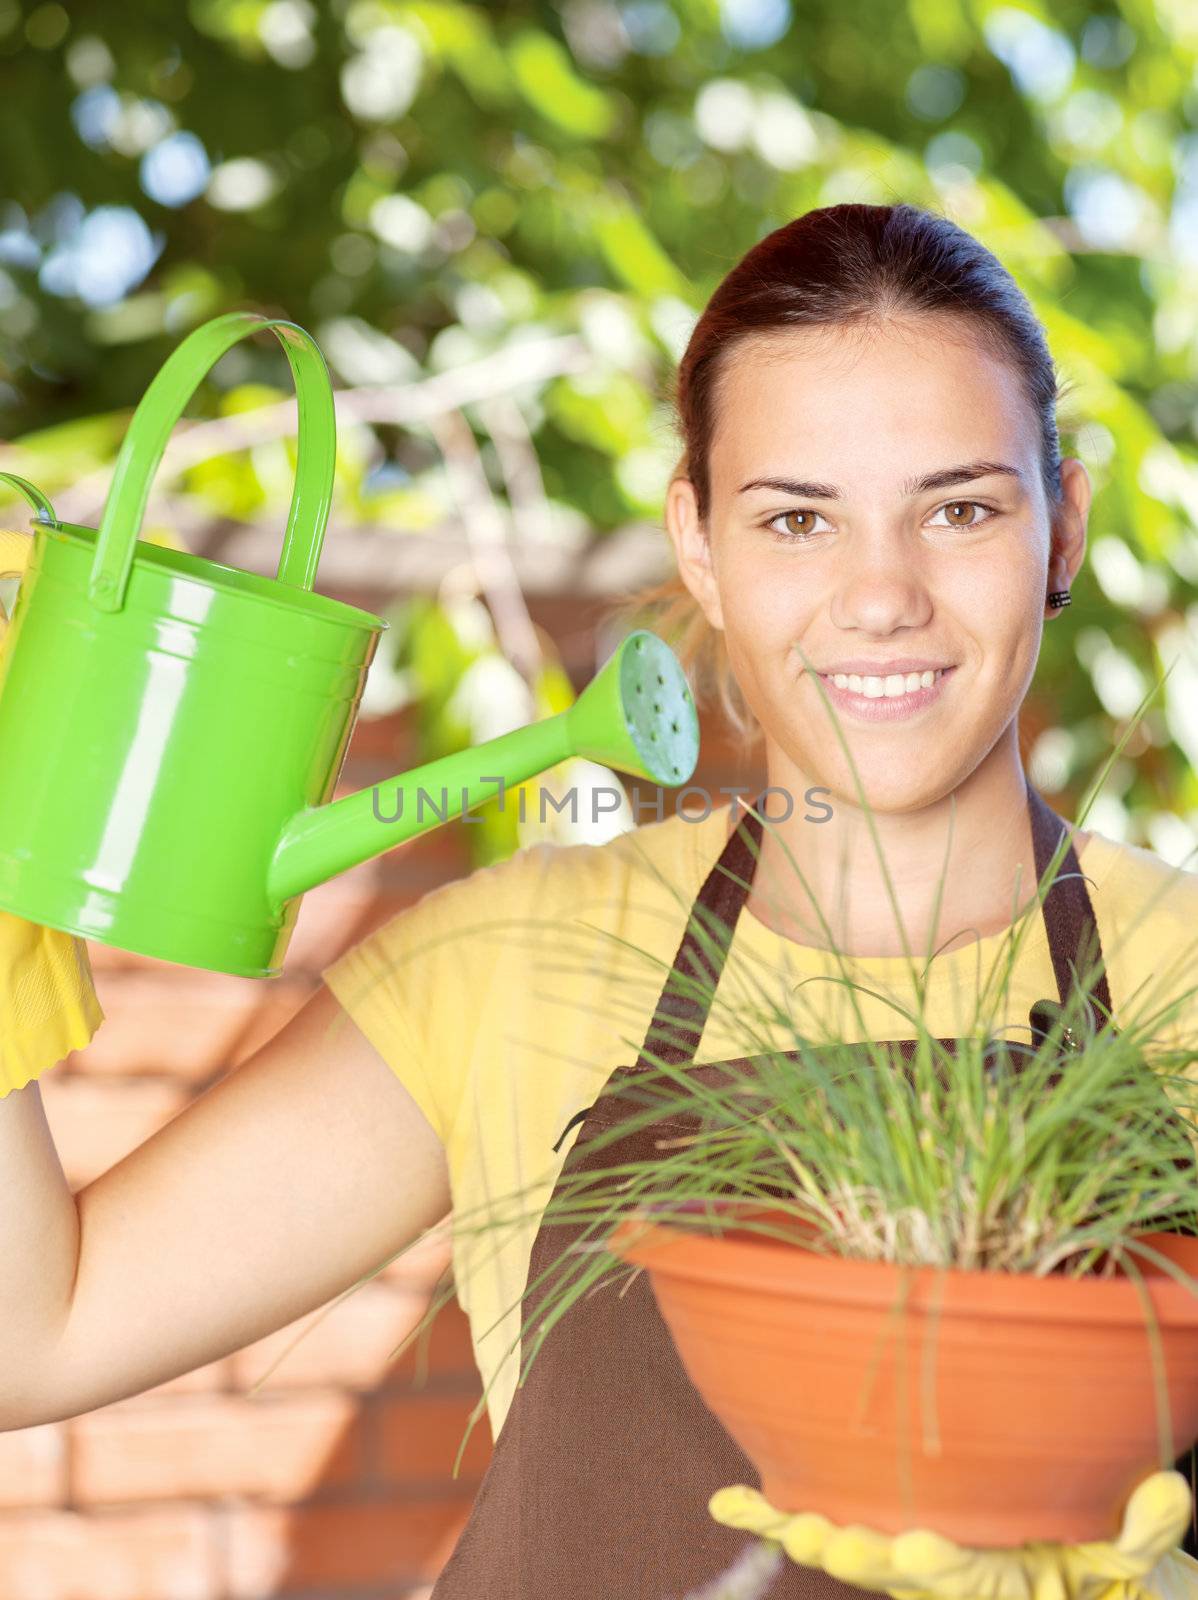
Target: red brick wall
(333,1482)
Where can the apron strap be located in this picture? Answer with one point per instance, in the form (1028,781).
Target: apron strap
(676,1028)
(1068,915)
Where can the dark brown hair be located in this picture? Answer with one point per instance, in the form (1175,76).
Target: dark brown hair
(839,266)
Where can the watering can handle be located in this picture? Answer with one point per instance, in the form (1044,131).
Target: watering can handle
(161,407)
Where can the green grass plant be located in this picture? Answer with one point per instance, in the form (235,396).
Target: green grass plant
(991,1156)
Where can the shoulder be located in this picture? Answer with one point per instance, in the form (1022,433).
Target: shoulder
(1132,879)
(551,883)
(1147,911)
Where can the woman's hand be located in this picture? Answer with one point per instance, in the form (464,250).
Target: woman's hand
(1143,1563)
(48,1005)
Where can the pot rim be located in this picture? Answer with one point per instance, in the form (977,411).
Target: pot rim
(772,1266)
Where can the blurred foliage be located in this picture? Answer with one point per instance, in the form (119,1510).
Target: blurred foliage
(422,182)
(465,691)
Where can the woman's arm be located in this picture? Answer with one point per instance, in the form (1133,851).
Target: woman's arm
(280,1187)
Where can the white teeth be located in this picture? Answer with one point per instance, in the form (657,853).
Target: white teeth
(889,687)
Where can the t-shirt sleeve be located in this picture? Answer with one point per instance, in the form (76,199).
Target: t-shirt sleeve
(1152,948)
(418,987)
(368,982)
(1150,941)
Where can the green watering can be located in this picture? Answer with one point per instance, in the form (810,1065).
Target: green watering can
(172,730)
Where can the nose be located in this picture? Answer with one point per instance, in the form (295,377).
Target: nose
(881,587)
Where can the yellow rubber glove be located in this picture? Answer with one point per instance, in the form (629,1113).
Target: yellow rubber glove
(1143,1563)
(48,1004)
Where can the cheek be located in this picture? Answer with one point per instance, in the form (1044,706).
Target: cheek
(760,603)
(1004,587)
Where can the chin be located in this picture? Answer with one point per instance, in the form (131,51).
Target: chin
(888,786)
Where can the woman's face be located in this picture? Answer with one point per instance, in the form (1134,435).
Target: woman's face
(822,542)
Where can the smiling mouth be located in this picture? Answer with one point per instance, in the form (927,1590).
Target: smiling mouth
(891,687)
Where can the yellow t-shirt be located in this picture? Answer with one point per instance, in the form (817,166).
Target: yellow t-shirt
(503,1002)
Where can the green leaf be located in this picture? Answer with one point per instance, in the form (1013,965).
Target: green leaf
(462,36)
(632,252)
(609,412)
(546,78)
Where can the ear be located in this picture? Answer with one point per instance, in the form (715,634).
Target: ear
(1069,525)
(692,548)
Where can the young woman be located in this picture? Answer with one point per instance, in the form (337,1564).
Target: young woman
(871,495)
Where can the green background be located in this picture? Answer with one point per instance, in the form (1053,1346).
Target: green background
(423,184)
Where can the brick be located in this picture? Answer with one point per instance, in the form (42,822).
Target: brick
(295,1550)
(149,1554)
(354,1345)
(215,1378)
(411,870)
(422,1263)
(419,1435)
(279,1448)
(383,906)
(278,1001)
(442,1354)
(337,914)
(402,881)
(108,958)
(184,1023)
(97,1123)
(328,916)
(348,1344)
(33,1465)
(386,738)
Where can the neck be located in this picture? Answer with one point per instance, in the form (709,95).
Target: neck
(824,883)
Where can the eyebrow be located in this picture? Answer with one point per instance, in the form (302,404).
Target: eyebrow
(945,478)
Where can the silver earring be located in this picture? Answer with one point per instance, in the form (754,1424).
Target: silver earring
(1059,598)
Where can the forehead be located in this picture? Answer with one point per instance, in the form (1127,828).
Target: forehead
(867,405)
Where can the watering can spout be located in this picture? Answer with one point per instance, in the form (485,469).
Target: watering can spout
(636,715)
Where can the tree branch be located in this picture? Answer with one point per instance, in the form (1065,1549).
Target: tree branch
(531,361)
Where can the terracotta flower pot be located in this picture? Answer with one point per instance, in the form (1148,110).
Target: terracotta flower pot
(992,1407)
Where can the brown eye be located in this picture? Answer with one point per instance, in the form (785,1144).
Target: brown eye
(961,505)
(795,524)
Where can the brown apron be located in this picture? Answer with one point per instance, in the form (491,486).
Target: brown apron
(598,1485)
